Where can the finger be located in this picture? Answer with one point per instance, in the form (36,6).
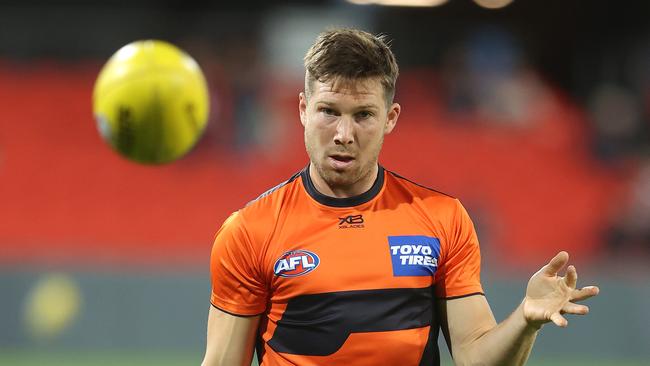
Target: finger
(571,277)
(584,293)
(571,308)
(559,320)
(556,264)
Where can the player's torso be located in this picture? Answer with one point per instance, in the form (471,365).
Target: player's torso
(351,284)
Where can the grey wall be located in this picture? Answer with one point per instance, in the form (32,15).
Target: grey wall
(168,311)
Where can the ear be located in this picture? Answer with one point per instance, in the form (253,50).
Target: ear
(391,121)
(302,107)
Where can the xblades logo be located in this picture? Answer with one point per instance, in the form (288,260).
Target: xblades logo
(351,222)
(352,219)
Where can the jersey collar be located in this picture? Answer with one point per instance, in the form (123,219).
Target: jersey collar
(342,202)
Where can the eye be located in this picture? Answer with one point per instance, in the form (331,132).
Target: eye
(327,111)
(364,115)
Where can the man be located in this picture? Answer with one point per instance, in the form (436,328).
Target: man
(347,263)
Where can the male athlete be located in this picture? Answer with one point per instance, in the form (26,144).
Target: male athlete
(347,263)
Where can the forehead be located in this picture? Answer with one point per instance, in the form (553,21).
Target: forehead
(368,90)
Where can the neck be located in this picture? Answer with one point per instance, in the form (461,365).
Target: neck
(343,191)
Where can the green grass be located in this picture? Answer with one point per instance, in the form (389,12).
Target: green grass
(175,358)
(97,358)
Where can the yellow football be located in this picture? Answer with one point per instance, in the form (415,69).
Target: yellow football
(151,102)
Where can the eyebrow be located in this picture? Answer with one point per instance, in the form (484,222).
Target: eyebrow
(364,106)
(368,106)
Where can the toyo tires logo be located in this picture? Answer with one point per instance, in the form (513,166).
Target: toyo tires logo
(414,255)
(295,263)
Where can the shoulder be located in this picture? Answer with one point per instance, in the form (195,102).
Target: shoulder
(273,197)
(442,210)
(260,214)
(275,191)
(397,182)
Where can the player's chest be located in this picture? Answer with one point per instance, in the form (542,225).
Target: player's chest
(352,251)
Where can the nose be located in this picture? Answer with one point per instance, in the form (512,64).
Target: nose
(344,131)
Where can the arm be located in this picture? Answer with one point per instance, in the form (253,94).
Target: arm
(230,339)
(474,337)
(238,296)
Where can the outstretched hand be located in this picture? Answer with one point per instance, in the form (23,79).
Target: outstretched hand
(549,295)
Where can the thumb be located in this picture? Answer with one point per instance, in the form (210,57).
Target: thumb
(556,264)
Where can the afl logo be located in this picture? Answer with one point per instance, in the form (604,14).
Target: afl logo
(295,263)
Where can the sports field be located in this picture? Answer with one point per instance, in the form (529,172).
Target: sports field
(133,358)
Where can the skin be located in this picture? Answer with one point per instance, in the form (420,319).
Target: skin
(230,339)
(474,337)
(345,123)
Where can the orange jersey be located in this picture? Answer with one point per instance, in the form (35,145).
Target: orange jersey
(345,281)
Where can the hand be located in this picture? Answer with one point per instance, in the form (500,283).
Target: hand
(548,295)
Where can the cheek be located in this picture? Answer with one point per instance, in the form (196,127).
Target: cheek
(320,130)
(371,138)
(315,136)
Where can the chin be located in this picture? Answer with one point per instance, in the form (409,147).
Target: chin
(338,178)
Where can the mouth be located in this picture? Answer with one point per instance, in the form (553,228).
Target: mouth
(342,157)
(340,161)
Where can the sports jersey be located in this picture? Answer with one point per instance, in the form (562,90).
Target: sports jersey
(345,281)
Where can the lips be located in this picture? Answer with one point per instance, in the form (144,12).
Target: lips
(343,158)
(340,161)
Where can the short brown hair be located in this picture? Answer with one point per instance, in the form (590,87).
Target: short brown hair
(351,54)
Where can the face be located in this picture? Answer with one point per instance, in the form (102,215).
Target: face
(345,124)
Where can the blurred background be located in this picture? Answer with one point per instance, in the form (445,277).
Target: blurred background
(536,114)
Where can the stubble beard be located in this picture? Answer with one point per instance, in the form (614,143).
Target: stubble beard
(342,179)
